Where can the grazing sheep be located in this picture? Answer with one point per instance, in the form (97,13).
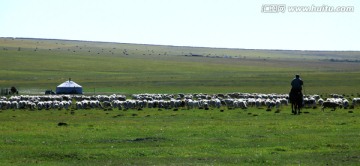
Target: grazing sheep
(79,105)
(191,104)
(355,101)
(240,104)
(32,106)
(345,103)
(3,104)
(284,101)
(151,104)
(277,104)
(330,104)
(167,101)
(258,102)
(229,103)
(94,104)
(14,105)
(310,102)
(40,105)
(23,104)
(106,104)
(215,103)
(270,103)
(320,101)
(66,104)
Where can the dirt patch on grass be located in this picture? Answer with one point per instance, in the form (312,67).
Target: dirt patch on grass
(147,139)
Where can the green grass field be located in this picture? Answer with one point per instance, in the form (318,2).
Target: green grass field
(34,65)
(184,137)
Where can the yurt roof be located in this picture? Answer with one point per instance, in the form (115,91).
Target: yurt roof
(69,84)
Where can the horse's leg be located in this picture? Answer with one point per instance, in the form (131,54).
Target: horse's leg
(298,109)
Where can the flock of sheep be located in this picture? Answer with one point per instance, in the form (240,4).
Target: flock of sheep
(168,101)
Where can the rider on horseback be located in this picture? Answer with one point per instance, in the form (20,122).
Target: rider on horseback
(296,96)
(296,84)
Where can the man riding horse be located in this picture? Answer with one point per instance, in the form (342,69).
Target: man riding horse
(296,96)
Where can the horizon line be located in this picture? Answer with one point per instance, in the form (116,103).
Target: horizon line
(169,45)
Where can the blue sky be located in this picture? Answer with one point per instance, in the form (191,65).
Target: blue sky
(206,23)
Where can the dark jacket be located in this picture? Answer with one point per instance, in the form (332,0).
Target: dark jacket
(297,83)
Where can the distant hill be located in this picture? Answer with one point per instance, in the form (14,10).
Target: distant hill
(147,49)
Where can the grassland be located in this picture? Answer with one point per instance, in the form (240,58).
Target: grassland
(33,65)
(184,137)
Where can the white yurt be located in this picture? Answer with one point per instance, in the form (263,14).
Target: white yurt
(69,87)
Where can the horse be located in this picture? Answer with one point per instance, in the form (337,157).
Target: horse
(296,100)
